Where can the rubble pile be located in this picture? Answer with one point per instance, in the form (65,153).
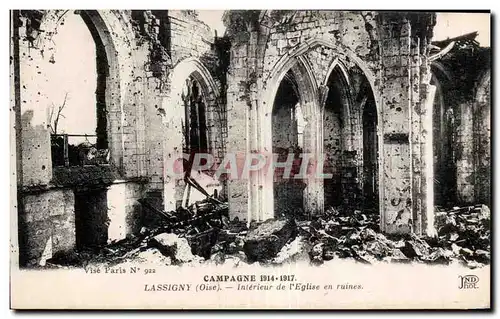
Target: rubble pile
(186,235)
(265,241)
(173,246)
(230,242)
(275,241)
(466,232)
(203,233)
(463,235)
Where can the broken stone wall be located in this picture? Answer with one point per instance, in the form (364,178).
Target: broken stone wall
(131,85)
(125,99)
(153,58)
(47,224)
(190,37)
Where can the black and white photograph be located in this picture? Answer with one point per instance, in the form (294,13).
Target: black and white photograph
(250,159)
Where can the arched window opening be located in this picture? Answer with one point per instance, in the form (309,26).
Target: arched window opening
(195,121)
(77,110)
(288,142)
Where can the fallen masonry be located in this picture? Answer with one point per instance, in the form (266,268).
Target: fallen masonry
(201,234)
(266,241)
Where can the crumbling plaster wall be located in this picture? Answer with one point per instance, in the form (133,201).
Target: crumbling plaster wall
(390,49)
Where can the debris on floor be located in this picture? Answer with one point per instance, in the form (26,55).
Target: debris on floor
(466,233)
(463,235)
(265,242)
(173,246)
(203,233)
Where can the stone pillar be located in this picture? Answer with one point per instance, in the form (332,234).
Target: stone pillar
(313,144)
(395,150)
(422,100)
(406,180)
(465,154)
(172,151)
(425,223)
(239,104)
(482,138)
(154,137)
(123,210)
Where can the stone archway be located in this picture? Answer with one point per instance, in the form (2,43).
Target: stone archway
(371,86)
(99,217)
(188,72)
(288,136)
(109,34)
(35,54)
(336,139)
(357,138)
(261,199)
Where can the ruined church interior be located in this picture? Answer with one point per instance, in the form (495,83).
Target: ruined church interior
(400,122)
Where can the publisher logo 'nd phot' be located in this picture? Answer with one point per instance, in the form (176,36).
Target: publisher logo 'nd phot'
(468,282)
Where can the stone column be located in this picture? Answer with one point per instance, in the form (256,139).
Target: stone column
(424,224)
(406,110)
(313,145)
(395,150)
(482,137)
(465,154)
(239,104)
(172,151)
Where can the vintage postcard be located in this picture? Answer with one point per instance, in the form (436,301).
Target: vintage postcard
(250,159)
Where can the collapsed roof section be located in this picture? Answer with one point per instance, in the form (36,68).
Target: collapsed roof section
(460,62)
